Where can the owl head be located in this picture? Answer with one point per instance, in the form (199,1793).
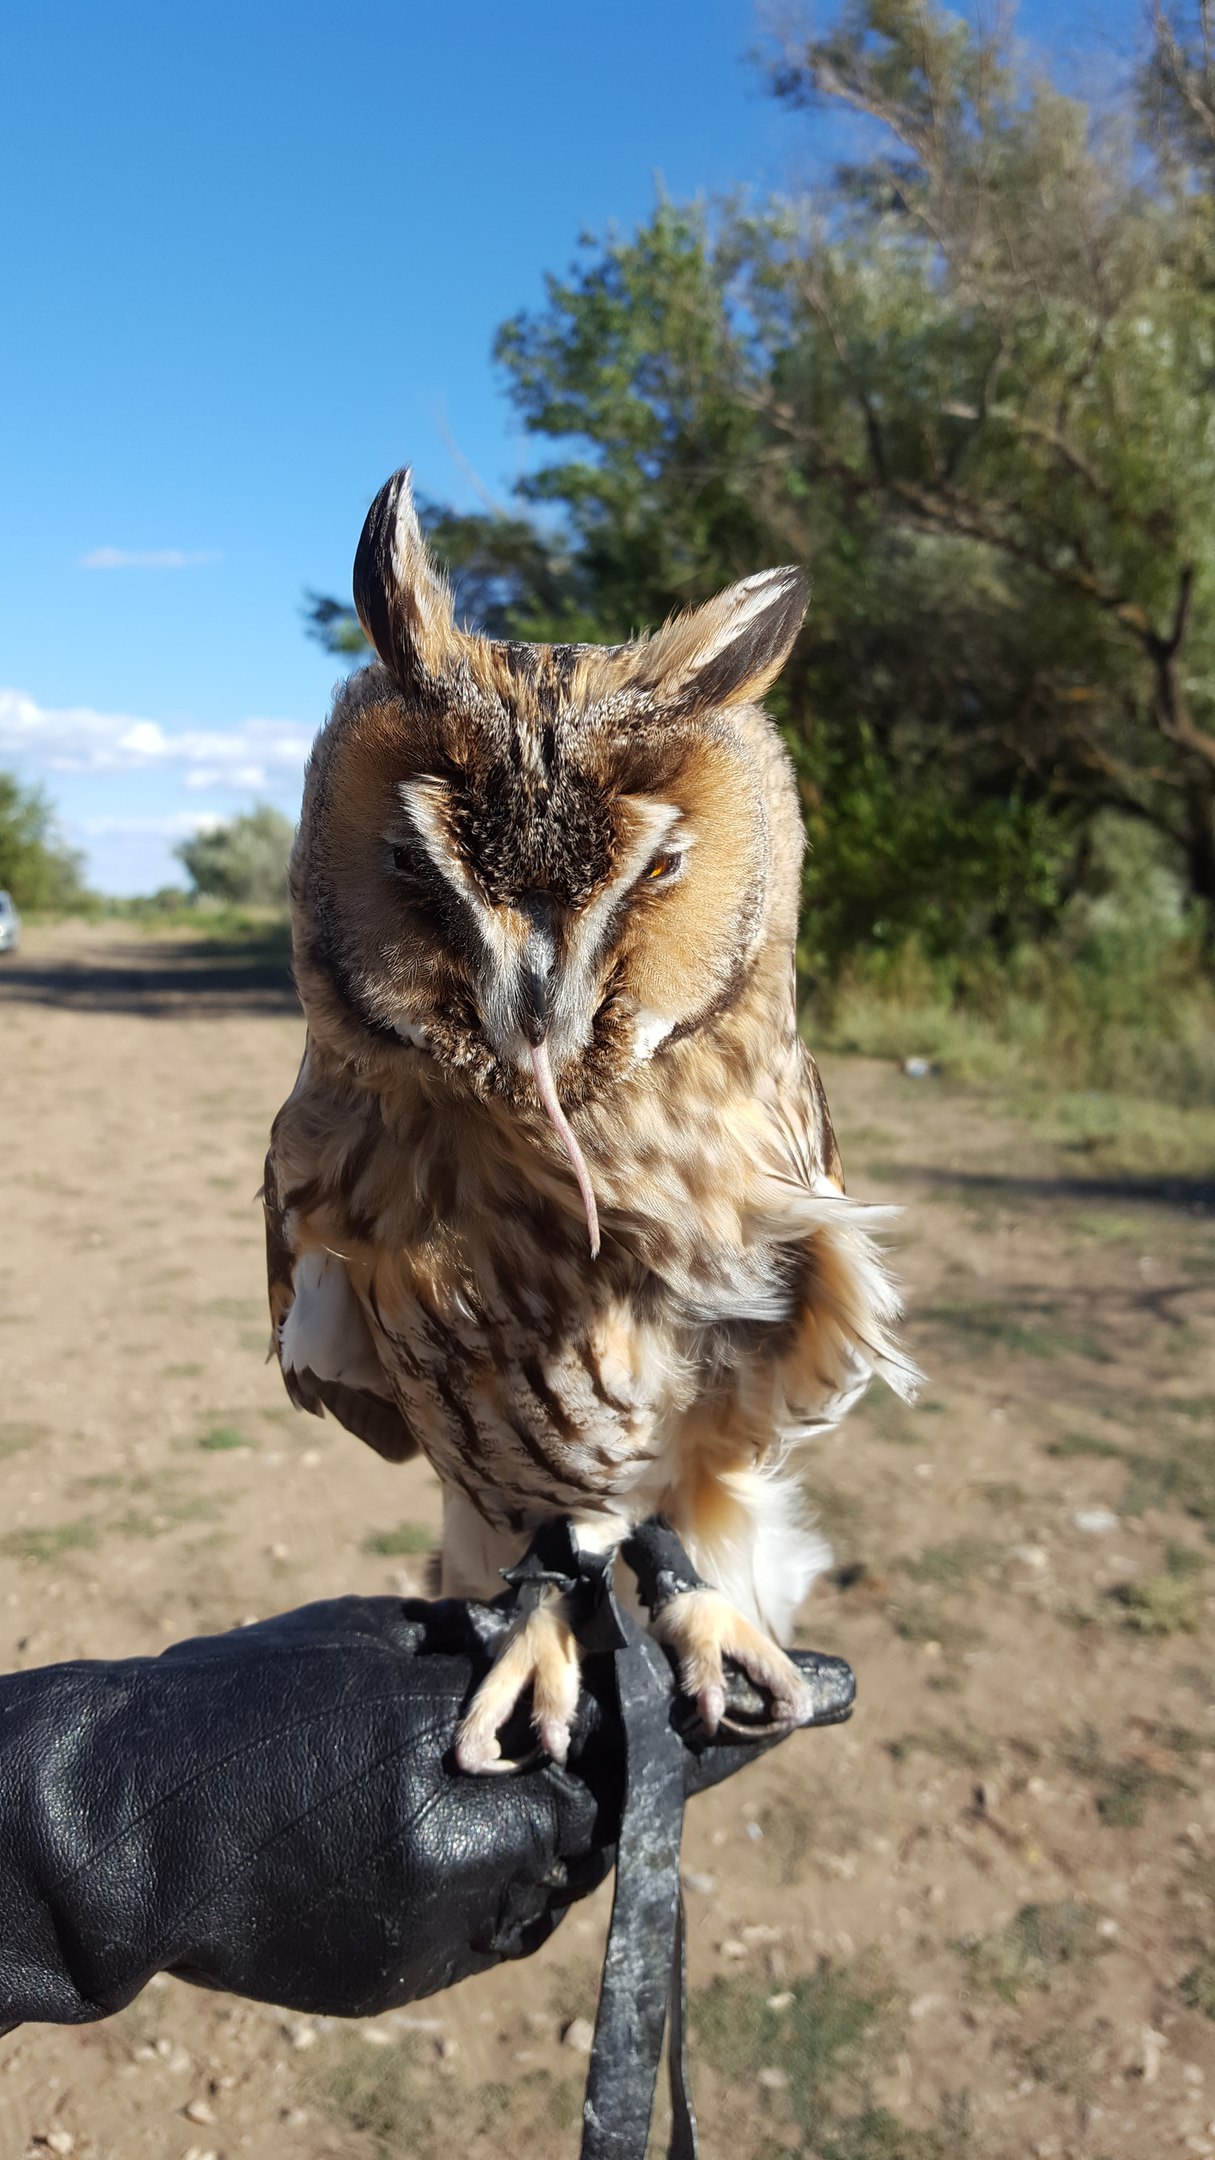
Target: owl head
(536,867)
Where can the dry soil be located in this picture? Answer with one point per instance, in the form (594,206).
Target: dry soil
(974,1924)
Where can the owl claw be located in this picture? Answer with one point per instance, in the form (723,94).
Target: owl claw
(540,1654)
(711,1703)
(703,1629)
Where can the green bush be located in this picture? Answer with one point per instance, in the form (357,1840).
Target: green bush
(41,873)
(244,861)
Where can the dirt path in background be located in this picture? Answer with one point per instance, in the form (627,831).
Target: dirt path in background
(978,1921)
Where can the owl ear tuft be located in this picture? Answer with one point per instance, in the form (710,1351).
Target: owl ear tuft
(402,599)
(734,647)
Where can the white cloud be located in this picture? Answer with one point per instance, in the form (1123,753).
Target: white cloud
(178,825)
(251,754)
(113,558)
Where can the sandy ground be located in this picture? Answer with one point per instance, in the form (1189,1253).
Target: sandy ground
(978,1921)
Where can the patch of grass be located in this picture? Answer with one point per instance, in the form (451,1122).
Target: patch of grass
(1103,1226)
(1168,1604)
(51,1543)
(1082,1443)
(969,1750)
(889,1419)
(993,1326)
(1181,1475)
(1035,1948)
(1003,1493)
(827,2038)
(1198,1986)
(1137,1135)
(169,1515)
(1199,1408)
(375,2091)
(408,1537)
(878,2135)
(840,1519)
(919,1620)
(826,2033)
(1126,1787)
(954,1565)
(1065,2058)
(181,1372)
(15,1438)
(221,1438)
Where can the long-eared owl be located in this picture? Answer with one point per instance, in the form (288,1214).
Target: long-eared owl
(556,1198)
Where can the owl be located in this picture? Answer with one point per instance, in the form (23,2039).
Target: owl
(555,1199)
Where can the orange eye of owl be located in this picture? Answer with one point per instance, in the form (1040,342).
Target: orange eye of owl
(664,866)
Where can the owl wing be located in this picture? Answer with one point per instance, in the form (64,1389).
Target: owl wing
(848,1305)
(325,1348)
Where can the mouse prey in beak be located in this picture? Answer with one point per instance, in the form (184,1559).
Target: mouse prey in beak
(547,1092)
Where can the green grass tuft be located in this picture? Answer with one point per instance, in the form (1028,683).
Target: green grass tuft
(1082,1443)
(1168,1604)
(954,1565)
(374,2090)
(50,1544)
(221,1438)
(1035,1947)
(1198,1986)
(1181,1474)
(826,2032)
(408,1537)
(1126,1787)
(15,1438)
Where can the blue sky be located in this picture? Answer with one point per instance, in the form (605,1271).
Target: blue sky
(251,259)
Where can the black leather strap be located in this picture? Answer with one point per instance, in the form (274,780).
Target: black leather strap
(643,1962)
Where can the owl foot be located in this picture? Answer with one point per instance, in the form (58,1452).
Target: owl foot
(540,1653)
(703,1629)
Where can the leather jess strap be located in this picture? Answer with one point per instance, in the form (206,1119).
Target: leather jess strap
(643,1993)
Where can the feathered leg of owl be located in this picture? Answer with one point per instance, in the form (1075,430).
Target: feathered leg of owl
(700,1625)
(538,1653)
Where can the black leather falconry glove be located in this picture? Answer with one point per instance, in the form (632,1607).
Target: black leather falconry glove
(276,1812)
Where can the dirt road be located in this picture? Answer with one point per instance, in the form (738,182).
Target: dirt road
(976,1924)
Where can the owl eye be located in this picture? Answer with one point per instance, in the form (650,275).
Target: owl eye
(662,867)
(401,859)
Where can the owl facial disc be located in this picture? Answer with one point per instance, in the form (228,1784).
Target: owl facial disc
(546,1090)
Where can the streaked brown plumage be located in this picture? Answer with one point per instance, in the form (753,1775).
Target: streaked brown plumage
(517,861)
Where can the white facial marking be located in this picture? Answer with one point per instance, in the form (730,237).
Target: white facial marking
(649,1029)
(413,1033)
(573,1009)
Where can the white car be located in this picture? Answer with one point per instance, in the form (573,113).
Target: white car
(10,924)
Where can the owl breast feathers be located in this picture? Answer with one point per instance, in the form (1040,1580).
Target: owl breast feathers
(556,1198)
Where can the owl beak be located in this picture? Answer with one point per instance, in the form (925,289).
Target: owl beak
(536,1003)
(536,975)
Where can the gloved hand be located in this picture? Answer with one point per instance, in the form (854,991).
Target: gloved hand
(276,1811)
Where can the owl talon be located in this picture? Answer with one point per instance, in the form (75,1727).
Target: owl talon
(711,1703)
(703,1629)
(541,1654)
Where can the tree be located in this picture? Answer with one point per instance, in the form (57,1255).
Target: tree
(244,860)
(1051,408)
(35,866)
(969,384)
